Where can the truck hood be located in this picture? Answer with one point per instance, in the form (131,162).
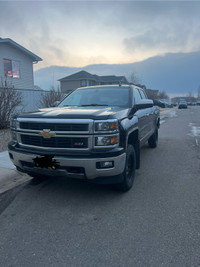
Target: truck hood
(75,112)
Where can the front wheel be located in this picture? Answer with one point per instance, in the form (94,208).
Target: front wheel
(129,170)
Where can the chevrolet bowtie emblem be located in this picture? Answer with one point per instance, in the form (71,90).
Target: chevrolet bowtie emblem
(46,133)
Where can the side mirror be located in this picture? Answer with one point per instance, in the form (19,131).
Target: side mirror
(144,103)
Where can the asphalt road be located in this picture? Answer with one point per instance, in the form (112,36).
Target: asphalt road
(69,223)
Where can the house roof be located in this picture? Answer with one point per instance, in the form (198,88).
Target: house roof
(86,75)
(112,78)
(24,50)
(79,76)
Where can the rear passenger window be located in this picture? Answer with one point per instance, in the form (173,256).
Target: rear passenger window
(143,94)
(137,96)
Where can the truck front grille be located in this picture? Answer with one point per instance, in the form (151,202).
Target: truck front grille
(65,127)
(55,142)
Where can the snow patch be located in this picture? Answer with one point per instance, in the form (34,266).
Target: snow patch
(194,131)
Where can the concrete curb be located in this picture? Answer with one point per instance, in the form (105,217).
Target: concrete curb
(11,179)
(9,176)
(165,113)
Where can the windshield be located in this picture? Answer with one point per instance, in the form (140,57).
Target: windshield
(106,96)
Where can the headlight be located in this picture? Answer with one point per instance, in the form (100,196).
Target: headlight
(14,124)
(107,140)
(106,126)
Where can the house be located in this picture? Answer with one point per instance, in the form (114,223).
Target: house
(16,71)
(84,78)
(16,65)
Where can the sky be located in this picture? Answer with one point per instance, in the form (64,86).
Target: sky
(79,33)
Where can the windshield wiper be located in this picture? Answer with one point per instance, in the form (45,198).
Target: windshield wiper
(93,105)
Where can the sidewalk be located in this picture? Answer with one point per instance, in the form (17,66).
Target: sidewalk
(9,176)
(167,112)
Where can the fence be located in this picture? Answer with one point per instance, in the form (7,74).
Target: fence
(30,99)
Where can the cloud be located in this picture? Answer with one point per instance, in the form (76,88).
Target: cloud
(167,28)
(77,33)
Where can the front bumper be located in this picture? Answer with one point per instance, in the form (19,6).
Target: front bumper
(73,167)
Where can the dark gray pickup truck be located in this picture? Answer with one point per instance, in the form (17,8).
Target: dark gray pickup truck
(95,133)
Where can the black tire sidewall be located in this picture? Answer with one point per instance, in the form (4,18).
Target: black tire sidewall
(153,140)
(128,180)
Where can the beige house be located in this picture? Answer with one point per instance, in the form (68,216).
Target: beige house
(84,78)
(16,65)
(16,71)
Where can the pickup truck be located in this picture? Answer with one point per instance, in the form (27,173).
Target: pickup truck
(95,133)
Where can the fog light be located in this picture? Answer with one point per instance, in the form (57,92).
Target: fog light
(105,164)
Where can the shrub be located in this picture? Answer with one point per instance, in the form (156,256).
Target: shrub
(9,100)
(50,97)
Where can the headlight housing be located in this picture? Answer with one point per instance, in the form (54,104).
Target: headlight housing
(107,141)
(110,126)
(14,124)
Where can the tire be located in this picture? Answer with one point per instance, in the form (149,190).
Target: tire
(153,140)
(129,170)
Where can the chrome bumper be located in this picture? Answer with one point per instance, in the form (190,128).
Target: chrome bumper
(88,164)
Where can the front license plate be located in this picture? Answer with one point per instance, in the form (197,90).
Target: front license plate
(46,162)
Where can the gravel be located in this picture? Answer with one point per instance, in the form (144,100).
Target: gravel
(5,137)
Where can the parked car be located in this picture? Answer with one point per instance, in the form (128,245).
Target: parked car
(182,104)
(159,103)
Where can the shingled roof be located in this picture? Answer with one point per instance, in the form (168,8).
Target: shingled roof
(24,50)
(79,76)
(84,75)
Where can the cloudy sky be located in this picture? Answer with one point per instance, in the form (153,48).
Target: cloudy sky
(79,33)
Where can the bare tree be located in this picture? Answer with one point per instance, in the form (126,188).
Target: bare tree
(134,78)
(163,95)
(50,97)
(152,94)
(9,100)
(190,97)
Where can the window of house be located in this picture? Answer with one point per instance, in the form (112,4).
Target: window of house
(11,68)
(83,83)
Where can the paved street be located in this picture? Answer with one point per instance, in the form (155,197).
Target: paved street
(59,222)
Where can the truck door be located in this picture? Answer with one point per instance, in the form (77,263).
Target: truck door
(150,114)
(142,117)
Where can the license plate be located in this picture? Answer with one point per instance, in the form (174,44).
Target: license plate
(46,162)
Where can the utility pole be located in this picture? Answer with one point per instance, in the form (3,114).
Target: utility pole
(198,95)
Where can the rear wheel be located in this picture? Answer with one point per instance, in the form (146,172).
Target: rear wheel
(153,140)
(129,170)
